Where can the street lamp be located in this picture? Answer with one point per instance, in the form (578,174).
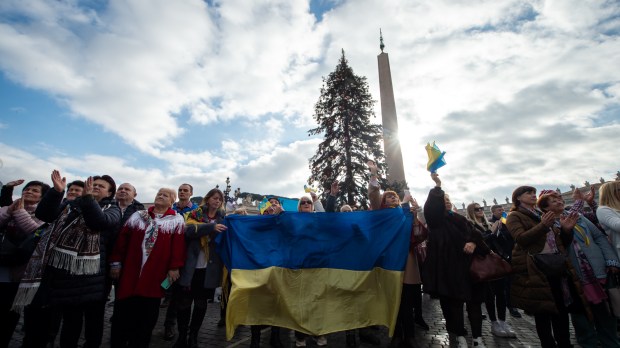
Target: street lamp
(227,190)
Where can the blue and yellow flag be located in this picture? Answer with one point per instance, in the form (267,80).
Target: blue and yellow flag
(435,158)
(288,204)
(316,273)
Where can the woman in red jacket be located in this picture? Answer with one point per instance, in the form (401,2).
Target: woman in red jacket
(148,253)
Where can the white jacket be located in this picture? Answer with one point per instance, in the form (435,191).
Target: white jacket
(609,218)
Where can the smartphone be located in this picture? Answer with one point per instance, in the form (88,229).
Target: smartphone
(406,192)
(166,283)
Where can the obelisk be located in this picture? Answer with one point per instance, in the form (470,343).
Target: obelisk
(391,144)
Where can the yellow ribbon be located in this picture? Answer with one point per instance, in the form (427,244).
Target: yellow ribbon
(583,234)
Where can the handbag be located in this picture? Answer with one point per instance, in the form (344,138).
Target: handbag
(550,264)
(613,293)
(488,267)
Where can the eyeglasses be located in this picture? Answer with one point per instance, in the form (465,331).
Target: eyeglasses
(305,202)
(478,209)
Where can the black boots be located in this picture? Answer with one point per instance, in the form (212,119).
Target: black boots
(192,342)
(351,342)
(417,307)
(274,340)
(255,342)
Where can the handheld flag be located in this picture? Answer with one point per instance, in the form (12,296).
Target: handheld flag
(435,158)
(503,218)
(309,189)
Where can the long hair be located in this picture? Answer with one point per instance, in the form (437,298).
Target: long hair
(212,193)
(518,192)
(609,196)
(471,216)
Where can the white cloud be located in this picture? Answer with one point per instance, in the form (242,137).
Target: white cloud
(524,90)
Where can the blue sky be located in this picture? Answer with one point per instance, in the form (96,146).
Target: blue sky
(516,91)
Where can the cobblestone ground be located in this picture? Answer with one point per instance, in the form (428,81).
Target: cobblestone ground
(436,337)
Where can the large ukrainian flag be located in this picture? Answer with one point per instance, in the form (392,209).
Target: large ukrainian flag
(316,273)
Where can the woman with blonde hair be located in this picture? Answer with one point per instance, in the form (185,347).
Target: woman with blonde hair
(608,212)
(147,256)
(495,294)
(309,204)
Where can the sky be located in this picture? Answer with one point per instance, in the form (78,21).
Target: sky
(158,93)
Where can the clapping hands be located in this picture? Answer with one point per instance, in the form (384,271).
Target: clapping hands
(569,221)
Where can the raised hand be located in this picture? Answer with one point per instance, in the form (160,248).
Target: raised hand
(496,225)
(88,186)
(577,195)
(372,166)
(314,196)
(407,197)
(548,219)
(335,188)
(14,183)
(436,179)
(568,222)
(14,206)
(59,182)
(414,204)
(589,196)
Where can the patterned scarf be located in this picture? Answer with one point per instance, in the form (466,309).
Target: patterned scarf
(65,244)
(198,216)
(76,247)
(150,233)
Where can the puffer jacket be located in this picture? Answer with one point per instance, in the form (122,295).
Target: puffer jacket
(530,289)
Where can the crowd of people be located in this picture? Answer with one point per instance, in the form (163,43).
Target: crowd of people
(63,254)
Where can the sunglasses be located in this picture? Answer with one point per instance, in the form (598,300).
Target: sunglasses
(305,202)
(478,209)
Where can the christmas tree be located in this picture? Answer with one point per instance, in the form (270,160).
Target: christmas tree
(343,113)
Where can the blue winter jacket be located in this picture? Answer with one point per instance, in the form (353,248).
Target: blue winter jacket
(599,253)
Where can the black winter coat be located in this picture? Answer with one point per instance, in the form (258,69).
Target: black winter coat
(446,269)
(58,287)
